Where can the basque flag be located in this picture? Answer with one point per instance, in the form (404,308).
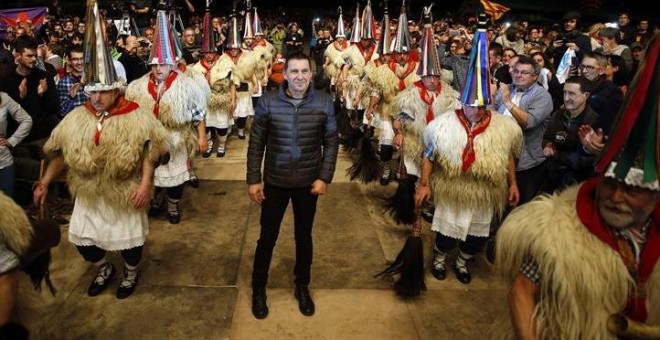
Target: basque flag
(11,17)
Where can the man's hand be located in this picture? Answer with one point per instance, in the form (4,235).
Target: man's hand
(398,140)
(42,87)
(514,195)
(202,144)
(232,107)
(593,141)
(506,92)
(140,196)
(39,193)
(422,194)
(319,187)
(22,88)
(256,193)
(5,142)
(73,91)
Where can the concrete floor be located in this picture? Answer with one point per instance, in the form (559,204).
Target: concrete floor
(195,281)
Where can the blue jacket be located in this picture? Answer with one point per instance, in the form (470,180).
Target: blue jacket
(300,142)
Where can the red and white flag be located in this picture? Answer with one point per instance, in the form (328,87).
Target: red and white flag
(493,9)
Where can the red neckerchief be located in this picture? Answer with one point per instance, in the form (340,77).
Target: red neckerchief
(409,69)
(235,59)
(427,99)
(370,52)
(207,69)
(343,45)
(587,211)
(472,132)
(121,106)
(151,86)
(182,67)
(261,42)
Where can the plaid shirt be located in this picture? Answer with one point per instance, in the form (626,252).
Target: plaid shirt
(8,260)
(531,270)
(198,115)
(67,103)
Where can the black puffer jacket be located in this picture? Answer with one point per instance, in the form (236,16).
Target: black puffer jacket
(301,141)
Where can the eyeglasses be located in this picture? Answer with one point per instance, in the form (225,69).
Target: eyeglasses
(524,73)
(588,67)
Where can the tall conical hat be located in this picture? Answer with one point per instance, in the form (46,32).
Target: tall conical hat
(429,64)
(384,42)
(258,31)
(99,72)
(476,90)
(632,152)
(247,27)
(233,36)
(163,50)
(208,38)
(368,23)
(340,25)
(401,40)
(357,26)
(178,45)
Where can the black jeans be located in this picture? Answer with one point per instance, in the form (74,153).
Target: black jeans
(531,181)
(272,212)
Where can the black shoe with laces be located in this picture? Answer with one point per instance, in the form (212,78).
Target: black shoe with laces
(127,287)
(463,274)
(194,182)
(305,302)
(104,276)
(259,306)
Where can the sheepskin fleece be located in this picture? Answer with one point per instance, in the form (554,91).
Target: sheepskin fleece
(583,280)
(244,70)
(15,229)
(410,102)
(175,105)
(217,88)
(355,58)
(485,184)
(111,169)
(386,82)
(334,60)
(265,54)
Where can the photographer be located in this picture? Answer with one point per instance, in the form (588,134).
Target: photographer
(572,38)
(276,36)
(135,67)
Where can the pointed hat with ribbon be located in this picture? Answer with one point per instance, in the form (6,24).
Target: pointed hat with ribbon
(385,41)
(357,26)
(429,64)
(163,50)
(632,152)
(99,72)
(401,40)
(340,25)
(476,89)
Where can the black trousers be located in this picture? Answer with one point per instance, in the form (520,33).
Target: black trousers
(93,254)
(472,245)
(530,182)
(272,212)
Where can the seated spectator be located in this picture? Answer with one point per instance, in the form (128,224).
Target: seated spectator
(568,163)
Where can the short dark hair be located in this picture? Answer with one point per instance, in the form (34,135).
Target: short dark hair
(74,49)
(296,56)
(23,43)
(582,81)
(526,60)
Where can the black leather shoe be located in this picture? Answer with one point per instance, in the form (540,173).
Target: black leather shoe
(174,218)
(207,153)
(104,276)
(220,154)
(439,273)
(259,306)
(194,181)
(154,210)
(126,288)
(305,302)
(463,276)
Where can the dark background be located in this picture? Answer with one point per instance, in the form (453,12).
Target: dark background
(534,10)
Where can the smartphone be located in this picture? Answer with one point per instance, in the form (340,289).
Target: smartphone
(454,33)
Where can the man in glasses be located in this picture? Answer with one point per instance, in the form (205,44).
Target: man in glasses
(530,105)
(606,98)
(70,87)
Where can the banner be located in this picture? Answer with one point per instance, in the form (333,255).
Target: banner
(12,17)
(493,9)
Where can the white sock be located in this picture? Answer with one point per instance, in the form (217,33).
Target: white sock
(461,260)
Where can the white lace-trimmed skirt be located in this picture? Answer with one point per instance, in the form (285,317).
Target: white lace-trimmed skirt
(243,107)
(176,171)
(99,224)
(474,221)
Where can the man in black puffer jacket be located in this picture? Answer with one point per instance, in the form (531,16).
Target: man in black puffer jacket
(296,127)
